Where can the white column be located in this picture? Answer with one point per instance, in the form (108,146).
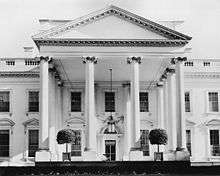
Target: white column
(135,100)
(181,128)
(90,104)
(171,110)
(128,122)
(165,99)
(44,104)
(160,106)
(52,112)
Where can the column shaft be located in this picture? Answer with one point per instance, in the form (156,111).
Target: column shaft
(181,129)
(90,106)
(160,109)
(171,112)
(44,104)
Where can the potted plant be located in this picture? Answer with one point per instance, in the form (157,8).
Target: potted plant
(158,137)
(65,136)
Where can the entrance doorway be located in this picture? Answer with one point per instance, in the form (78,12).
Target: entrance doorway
(110,149)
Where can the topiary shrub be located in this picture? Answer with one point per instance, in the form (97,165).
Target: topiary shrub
(65,136)
(158,137)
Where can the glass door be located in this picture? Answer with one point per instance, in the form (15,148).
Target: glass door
(110,150)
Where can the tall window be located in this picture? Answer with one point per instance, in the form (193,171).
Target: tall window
(145,142)
(4,143)
(144,103)
(188,141)
(109,101)
(76,145)
(33,103)
(213,101)
(214,142)
(75,101)
(33,137)
(4,101)
(187,102)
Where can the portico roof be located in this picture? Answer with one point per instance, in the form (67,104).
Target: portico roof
(139,31)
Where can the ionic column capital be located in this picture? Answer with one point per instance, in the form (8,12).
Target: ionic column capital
(178,60)
(170,70)
(134,59)
(45,58)
(90,59)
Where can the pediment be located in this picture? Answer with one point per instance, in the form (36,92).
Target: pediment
(189,123)
(213,122)
(6,122)
(31,122)
(111,23)
(75,120)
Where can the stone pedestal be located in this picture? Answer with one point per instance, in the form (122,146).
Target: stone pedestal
(136,155)
(43,156)
(90,156)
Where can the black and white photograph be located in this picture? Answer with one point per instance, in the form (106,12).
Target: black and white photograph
(109,87)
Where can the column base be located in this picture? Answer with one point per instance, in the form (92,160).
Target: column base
(182,155)
(42,156)
(90,156)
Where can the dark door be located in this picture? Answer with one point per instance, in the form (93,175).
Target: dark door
(4,143)
(110,149)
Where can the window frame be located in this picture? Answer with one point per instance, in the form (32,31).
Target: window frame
(27,100)
(148,97)
(28,110)
(74,111)
(10,141)
(81,144)
(114,102)
(82,100)
(207,102)
(209,140)
(28,132)
(102,102)
(10,101)
(149,150)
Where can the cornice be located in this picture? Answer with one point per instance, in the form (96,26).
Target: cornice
(202,75)
(116,11)
(111,42)
(19,74)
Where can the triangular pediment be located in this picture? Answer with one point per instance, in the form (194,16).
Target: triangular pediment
(6,122)
(31,122)
(213,122)
(111,23)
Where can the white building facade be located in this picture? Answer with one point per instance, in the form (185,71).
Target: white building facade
(110,76)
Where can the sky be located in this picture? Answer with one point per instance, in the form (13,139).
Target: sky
(19,20)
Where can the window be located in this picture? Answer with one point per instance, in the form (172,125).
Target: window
(188,141)
(75,101)
(187,102)
(4,101)
(188,64)
(145,142)
(33,137)
(76,145)
(214,142)
(144,105)
(213,101)
(109,101)
(33,103)
(4,143)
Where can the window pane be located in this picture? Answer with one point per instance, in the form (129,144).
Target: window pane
(214,142)
(76,145)
(145,142)
(187,102)
(4,143)
(75,101)
(4,101)
(144,104)
(33,101)
(33,142)
(188,141)
(109,101)
(213,101)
